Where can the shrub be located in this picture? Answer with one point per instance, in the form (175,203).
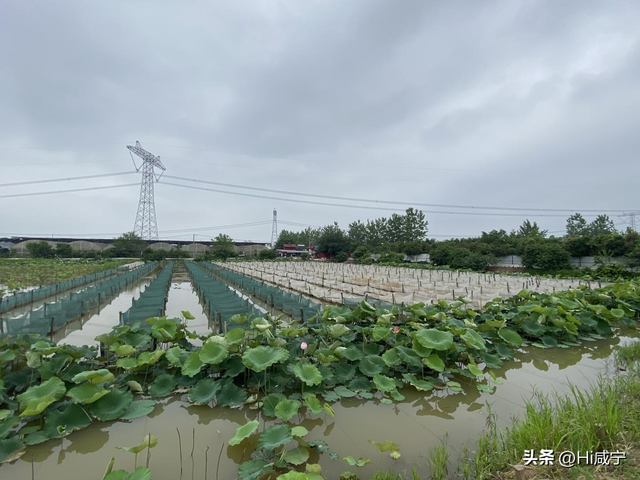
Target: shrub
(361,253)
(391,257)
(610,270)
(545,255)
(441,255)
(267,254)
(40,250)
(341,257)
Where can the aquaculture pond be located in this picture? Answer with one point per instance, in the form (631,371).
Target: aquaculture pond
(358,389)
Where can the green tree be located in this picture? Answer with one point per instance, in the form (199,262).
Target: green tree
(358,233)
(546,255)
(361,253)
(40,250)
(287,236)
(267,254)
(128,244)
(577,226)
(222,247)
(602,225)
(531,230)
(333,240)
(63,250)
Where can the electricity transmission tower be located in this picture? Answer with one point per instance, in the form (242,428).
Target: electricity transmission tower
(632,219)
(146,226)
(274,230)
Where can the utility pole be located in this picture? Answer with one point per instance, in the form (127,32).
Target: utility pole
(146,226)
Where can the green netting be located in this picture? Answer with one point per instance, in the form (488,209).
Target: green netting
(152,301)
(51,317)
(297,306)
(23,298)
(221,302)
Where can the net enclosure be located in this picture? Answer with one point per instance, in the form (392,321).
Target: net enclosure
(152,300)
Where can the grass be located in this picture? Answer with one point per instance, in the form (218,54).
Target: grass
(21,273)
(396,476)
(605,417)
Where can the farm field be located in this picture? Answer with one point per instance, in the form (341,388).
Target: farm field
(350,284)
(24,273)
(230,391)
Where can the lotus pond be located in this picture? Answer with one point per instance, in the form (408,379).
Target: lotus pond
(356,390)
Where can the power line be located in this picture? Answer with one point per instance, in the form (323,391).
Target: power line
(369,200)
(31,194)
(343,205)
(64,179)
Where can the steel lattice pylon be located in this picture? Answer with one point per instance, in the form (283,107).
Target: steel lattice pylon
(274,229)
(146,226)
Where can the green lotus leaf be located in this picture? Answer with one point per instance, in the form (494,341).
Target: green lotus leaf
(297,456)
(213,353)
(533,328)
(36,438)
(338,330)
(243,432)
(475,370)
(299,431)
(150,358)
(434,338)
(492,361)
(504,351)
(113,405)
(233,367)
(270,402)
(125,350)
(192,365)
(134,386)
(419,349)
(371,364)
(239,319)
(149,441)
(5,413)
(361,462)
(454,386)
(287,408)
(308,373)
(231,395)
(187,315)
(422,385)
(204,391)
(312,403)
(63,421)
(235,335)
(11,449)
(86,393)
(386,446)
(391,357)
(138,408)
(484,388)
(473,339)
(344,391)
(164,329)
(510,336)
(173,356)
(260,358)
(162,386)
(617,312)
(260,324)
(380,332)
(7,425)
(140,473)
(549,341)
(127,363)
(360,384)
(353,353)
(96,377)
(434,362)
(408,356)
(274,436)
(39,397)
(253,469)
(384,383)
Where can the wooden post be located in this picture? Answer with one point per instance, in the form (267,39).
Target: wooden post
(51,330)
(302,314)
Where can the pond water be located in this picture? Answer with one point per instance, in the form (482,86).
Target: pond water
(417,424)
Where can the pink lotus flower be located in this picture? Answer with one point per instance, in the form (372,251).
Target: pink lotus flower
(396,329)
(303,345)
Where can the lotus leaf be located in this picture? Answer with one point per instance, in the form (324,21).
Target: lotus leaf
(344,391)
(261,324)
(11,449)
(187,315)
(473,339)
(86,393)
(408,356)
(371,364)
(174,355)
(192,365)
(231,395)
(138,408)
(39,397)
(422,385)
(274,436)
(360,383)
(127,363)
(299,431)
(434,338)
(150,358)
(149,441)
(510,337)
(213,353)
(113,405)
(353,353)
(286,409)
(243,432)
(312,403)
(204,391)
(475,370)
(297,456)
(125,350)
(338,329)
(162,386)
(260,358)
(361,462)
(504,351)
(252,469)
(308,373)
(386,446)
(384,383)
(235,335)
(270,402)
(434,362)
(65,420)
(419,348)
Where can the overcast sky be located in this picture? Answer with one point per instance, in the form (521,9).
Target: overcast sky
(532,104)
